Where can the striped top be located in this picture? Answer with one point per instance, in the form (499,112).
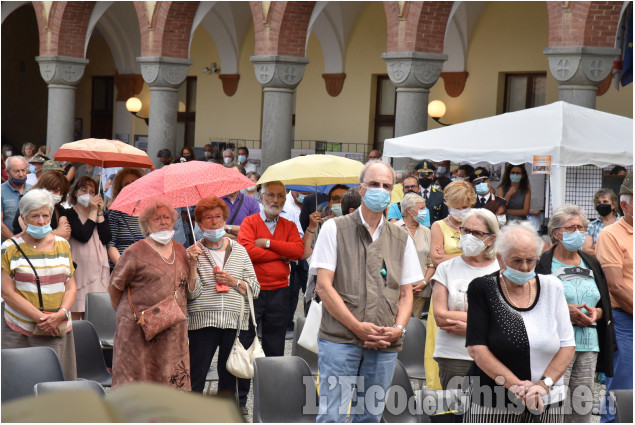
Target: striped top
(54,267)
(125,230)
(208,308)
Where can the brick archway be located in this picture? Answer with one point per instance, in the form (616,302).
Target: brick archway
(281,29)
(580,23)
(63,31)
(416,26)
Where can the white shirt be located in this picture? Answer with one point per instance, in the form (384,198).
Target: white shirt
(325,252)
(249,167)
(289,215)
(290,205)
(455,274)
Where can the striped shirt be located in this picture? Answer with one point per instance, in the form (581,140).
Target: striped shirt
(125,230)
(207,307)
(54,267)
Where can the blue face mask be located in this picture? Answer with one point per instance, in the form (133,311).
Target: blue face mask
(518,277)
(241,159)
(38,232)
(337,209)
(377,199)
(573,241)
(300,197)
(441,170)
(482,188)
(515,178)
(32,169)
(437,187)
(214,235)
(421,216)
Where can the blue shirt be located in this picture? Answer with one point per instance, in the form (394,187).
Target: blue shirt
(394,211)
(10,200)
(596,226)
(579,289)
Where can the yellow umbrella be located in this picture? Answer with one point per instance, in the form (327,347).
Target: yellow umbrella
(314,170)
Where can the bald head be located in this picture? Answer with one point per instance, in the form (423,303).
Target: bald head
(374,154)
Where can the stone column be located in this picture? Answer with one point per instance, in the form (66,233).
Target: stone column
(413,73)
(62,74)
(279,76)
(164,76)
(579,70)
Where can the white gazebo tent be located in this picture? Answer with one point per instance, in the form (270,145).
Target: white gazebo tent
(572,135)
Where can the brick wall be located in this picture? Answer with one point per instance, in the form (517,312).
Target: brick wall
(420,27)
(64,32)
(284,31)
(583,23)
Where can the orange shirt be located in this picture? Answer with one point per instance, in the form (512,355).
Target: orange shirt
(615,249)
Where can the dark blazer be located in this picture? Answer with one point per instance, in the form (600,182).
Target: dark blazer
(436,205)
(606,331)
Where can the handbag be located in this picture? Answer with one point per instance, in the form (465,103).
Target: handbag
(240,362)
(38,331)
(309,336)
(161,316)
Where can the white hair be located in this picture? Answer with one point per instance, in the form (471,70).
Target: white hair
(563,214)
(489,220)
(410,200)
(11,158)
(623,198)
(35,199)
(512,233)
(232,152)
(374,162)
(264,186)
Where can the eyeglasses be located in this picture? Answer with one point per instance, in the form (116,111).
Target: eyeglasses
(272,196)
(413,187)
(377,185)
(478,234)
(481,180)
(160,218)
(212,217)
(571,229)
(517,263)
(336,198)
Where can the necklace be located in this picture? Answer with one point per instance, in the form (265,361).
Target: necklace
(164,260)
(222,244)
(509,297)
(452,224)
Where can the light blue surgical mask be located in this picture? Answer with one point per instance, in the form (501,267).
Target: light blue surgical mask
(337,209)
(38,232)
(441,170)
(214,235)
(518,277)
(421,216)
(515,178)
(482,188)
(300,197)
(32,169)
(573,241)
(377,199)
(241,159)
(436,187)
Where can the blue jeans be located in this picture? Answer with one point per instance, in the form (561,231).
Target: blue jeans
(622,378)
(341,366)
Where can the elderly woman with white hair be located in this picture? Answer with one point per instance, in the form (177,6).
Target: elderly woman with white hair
(587,295)
(452,279)
(148,272)
(35,316)
(519,335)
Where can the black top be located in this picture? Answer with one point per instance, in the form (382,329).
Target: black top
(58,211)
(83,232)
(436,205)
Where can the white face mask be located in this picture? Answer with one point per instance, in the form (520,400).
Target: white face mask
(471,245)
(162,237)
(227,159)
(56,199)
(502,219)
(251,188)
(84,200)
(459,215)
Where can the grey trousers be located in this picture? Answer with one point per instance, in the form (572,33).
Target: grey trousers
(579,378)
(449,368)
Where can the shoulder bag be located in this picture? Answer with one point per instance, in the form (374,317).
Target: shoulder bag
(161,316)
(38,331)
(240,362)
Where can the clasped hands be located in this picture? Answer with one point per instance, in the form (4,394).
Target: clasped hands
(530,394)
(49,322)
(376,337)
(578,317)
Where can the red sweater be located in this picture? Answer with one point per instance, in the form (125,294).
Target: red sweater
(271,270)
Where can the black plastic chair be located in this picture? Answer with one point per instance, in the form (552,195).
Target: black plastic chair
(22,368)
(441,406)
(100,313)
(623,405)
(297,350)
(47,387)
(412,352)
(397,408)
(89,358)
(284,390)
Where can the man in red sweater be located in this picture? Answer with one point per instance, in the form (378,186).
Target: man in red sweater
(271,242)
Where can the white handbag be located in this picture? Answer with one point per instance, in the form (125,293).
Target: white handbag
(309,336)
(240,362)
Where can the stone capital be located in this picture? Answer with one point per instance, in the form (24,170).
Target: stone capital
(283,72)
(61,70)
(414,69)
(164,72)
(580,66)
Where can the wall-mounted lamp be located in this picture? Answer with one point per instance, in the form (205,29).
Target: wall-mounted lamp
(436,109)
(212,69)
(133,105)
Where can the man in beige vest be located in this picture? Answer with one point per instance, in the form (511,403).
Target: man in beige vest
(365,269)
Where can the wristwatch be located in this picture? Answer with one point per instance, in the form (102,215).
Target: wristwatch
(268,244)
(238,285)
(547,381)
(68,313)
(403,330)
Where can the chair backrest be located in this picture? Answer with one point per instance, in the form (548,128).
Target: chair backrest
(284,390)
(414,344)
(297,350)
(22,368)
(442,405)
(100,313)
(623,406)
(88,354)
(398,398)
(47,387)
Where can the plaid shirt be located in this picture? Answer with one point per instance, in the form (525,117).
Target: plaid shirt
(596,226)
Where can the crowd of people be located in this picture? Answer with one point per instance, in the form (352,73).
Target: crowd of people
(502,308)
